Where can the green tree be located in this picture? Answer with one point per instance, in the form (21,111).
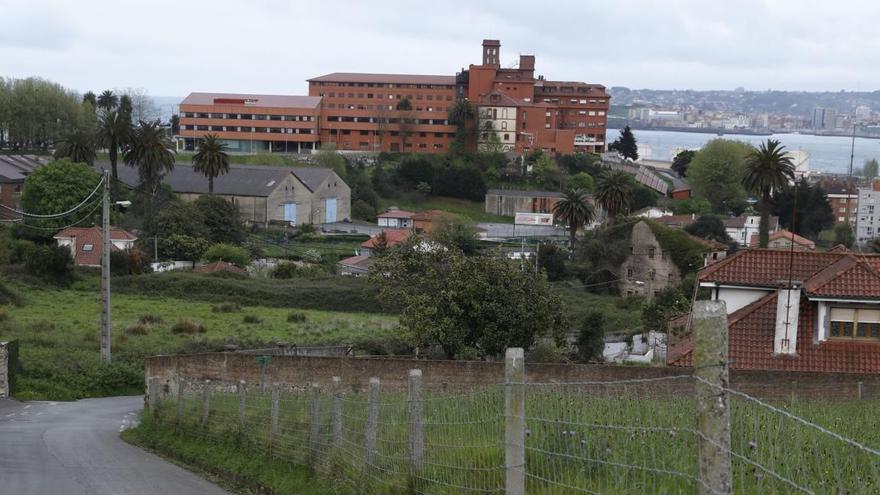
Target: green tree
(843,234)
(476,304)
(681,162)
(668,303)
(547,172)
(612,193)
(90,98)
(52,263)
(174,122)
(181,218)
(78,146)
(625,145)
(462,115)
(457,235)
(328,157)
(151,152)
(182,248)
(768,168)
(871,169)
(211,159)
(35,113)
(236,255)
(221,219)
(575,210)
(551,260)
(814,213)
(107,100)
(716,174)
(709,227)
(57,187)
(114,132)
(581,180)
(591,337)
(404,104)
(696,206)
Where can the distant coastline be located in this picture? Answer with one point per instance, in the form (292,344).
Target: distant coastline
(619,122)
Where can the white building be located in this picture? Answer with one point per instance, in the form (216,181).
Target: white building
(742,228)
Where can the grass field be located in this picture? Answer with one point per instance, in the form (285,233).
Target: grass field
(58,332)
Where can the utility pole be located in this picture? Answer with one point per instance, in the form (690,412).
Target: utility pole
(105,274)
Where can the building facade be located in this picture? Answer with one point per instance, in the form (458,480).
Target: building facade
(509,202)
(867,220)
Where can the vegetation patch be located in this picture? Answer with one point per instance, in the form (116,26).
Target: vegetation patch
(252,319)
(188,327)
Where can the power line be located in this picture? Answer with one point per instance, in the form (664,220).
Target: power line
(56,215)
(55,229)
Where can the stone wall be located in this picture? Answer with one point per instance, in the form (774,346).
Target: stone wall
(8,365)
(299,371)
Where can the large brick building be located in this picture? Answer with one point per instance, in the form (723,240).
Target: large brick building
(516,111)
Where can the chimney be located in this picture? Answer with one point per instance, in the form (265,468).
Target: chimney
(491,52)
(788,304)
(527,62)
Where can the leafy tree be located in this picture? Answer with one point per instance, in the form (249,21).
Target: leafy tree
(53,263)
(107,100)
(361,210)
(457,235)
(626,144)
(641,195)
(575,210)
(814,213)
(580,162)
(126,108)
(221,219)
(681,162)
(870,169)
(182,248)
(551,260)
(460,181)
(843,234)
(361,187)
(591,337)
(57,187)
(483,303)
(612,193)
(697,206)
(175,124)
(582,181)
(668,303)
(151,152)
(181,218)
(414,169)
(35,113)
(768,168)
(211,159)
(78,146)
(328,157)
(114,132)
(547,172)
(238,256)
(709,227)
(716,174)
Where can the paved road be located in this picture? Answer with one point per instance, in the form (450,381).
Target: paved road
(73,448)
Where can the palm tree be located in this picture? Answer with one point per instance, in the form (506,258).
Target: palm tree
(114,132)
(211,159)
(612,193)
(461,115)
(575,210)
(107,100)
(78,145)
(90,98)
(150,150)
(768,168)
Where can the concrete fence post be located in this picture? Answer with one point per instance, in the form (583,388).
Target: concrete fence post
(713,408)
(153,395)
(793,389)
(337,412)
(416,422)
(314,422)
(514,422)
(180,391)
(371,431)
(274,412)
(859,390)
(242,403)
(206,402)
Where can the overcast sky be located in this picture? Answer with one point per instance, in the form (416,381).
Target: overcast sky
(272,46)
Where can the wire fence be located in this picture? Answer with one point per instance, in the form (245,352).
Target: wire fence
(612,436)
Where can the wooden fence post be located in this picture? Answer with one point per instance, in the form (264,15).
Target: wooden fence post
(713,408)
(242,401)
(314,422)
(371,432)
(206,402)
(337,412)
(416,422)
(514,422)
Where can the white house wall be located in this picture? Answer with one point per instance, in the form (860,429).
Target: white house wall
(738,298)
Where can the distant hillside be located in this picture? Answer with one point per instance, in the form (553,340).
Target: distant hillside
(790,102)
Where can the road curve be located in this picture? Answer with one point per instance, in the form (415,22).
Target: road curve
(73,448)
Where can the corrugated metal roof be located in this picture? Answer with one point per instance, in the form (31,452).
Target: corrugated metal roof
(366,77)
(14,168)
(276,101)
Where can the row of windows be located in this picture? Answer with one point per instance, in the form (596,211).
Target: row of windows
(348,132)
(849,323)
(232,128)
(365,145)
(382,85)
(381,96)
(562,89)
(580,101)
(345,106)
(652,275)
(383,120)
(248,116)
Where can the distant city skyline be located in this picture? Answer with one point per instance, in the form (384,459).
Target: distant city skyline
(271,46)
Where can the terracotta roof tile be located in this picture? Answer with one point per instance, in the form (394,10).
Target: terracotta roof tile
(86,243)
(392,238)
(783,234)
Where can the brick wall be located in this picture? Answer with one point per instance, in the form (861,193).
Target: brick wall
(297,371)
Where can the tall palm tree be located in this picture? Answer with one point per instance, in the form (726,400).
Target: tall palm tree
(768,168)
(107,100)
(211,159)
(114,132)
(151,152)
(462,116)
(77,145)
(575,210)
(90,98)
(612,193)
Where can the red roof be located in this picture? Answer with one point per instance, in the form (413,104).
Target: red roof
(218,266)
(392,238)
(249,100)
(365,77)
(767,267)
(87,244)
(676,220)
(396,214)
(784,234)
(751,332)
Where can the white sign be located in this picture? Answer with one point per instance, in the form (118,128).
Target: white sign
(533,219)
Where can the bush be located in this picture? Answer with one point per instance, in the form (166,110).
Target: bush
(8,296)
(546,351)
(311,256)
(129,262)
(188,327)
(591,338)
(238,256)
(52,263)
(296,317)
(361,210)
(150,319)
(138,329)
(295,270)
(252,319)
(229,307)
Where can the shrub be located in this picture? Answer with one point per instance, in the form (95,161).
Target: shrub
(296,317)
(227,307)
(546,351)
(129,262)
(238,256)
(591,338)
(252,319)
(7,296)
(52,263)
(188,327)
(138,329)
(4,316)
(149,319)
(307,228)
(294,270)
(311,256)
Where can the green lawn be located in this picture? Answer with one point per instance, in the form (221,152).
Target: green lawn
(58,332)
(468,211)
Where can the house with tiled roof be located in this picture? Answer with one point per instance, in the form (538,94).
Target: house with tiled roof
(796,310)
(783,239)
(395,218)
(742,228)
(86,246)
(360,263)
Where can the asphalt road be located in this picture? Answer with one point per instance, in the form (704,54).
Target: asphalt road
(73,448)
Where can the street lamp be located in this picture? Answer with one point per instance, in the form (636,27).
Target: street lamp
(106,325)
